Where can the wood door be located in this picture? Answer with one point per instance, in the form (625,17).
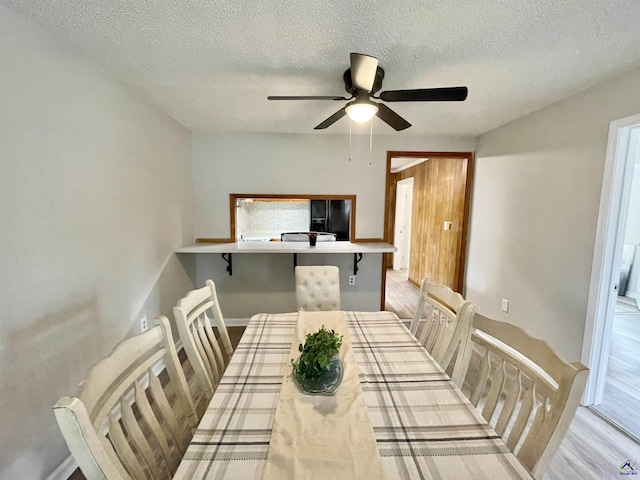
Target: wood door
(440,194)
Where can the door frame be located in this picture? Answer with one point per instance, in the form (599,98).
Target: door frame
(614,204)
(407,206)
(467,203)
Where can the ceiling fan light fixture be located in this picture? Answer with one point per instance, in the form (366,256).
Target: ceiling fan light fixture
(361,112)
(364,79)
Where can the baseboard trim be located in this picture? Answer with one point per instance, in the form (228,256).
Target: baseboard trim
(620,428)
(64,470)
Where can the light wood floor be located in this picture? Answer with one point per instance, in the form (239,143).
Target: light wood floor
(401,296)
(592,449)
(621,399)
(626,305)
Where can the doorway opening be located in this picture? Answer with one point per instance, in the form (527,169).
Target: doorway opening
(426,219)
(612,328)
(402,229)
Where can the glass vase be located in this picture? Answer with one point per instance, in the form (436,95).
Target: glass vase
(327,384)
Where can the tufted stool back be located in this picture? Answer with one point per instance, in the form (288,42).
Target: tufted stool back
(318,288)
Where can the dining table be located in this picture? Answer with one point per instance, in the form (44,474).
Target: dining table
(423,426)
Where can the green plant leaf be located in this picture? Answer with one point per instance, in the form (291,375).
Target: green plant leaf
(316,354)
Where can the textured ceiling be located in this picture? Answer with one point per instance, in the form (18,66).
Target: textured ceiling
(211,64)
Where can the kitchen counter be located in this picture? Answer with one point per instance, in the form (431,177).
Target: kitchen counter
(289,247)
(253,277)
(227,249)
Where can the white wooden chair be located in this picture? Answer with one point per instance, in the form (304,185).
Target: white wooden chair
(124,423)
(524,389)
(200,343)
(317,288)
(442,324)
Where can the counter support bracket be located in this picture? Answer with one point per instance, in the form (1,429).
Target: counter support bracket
(227,258)
(357,257)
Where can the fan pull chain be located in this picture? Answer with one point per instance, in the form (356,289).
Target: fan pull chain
(349,139)
(370,140)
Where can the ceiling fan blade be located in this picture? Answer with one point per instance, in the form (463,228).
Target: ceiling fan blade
(310,97)
(363,71)
(450,94)
(392,118)
(332,119)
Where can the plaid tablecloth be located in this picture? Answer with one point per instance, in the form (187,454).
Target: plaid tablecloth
(425,428)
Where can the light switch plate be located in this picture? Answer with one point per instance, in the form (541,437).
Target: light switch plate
(505,305)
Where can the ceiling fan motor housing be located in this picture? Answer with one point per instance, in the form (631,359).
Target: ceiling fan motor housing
(377,83)
(369,75)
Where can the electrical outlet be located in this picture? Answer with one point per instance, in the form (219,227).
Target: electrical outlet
(143,323)
(505,305)
(352,279)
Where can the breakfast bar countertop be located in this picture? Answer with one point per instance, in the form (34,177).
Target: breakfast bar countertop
(289,247)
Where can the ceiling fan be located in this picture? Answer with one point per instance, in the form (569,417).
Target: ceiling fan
(362,81)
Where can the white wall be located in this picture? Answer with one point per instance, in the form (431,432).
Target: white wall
(534,211)
(292,164)
(311,164)
(95,194)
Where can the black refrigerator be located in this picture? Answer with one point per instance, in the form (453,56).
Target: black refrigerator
(333,216)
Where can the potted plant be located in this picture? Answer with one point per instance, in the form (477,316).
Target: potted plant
(318,370)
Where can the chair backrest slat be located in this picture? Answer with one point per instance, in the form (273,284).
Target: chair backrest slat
(205,344)
(125,452)
(211,347)
(219,319)
(200,343)
(144,407)
(442,324)
(483,376)
(527,406)
(495,392)
(136,373)
(108,379)
(524,389)
(513,391)
(138,439)
(168,415)
(439,321)
(122,415)
(197,312)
